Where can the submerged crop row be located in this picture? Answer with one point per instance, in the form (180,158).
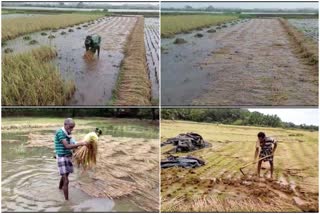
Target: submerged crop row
(12,28)
(173,24)
(29,79)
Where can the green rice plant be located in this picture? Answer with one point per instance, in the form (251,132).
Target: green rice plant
(12,28)
(173,24)
(30,79)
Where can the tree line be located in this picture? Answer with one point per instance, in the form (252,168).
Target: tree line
(140,113)
(231,117)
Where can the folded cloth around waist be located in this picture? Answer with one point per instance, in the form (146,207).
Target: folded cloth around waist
(65,165)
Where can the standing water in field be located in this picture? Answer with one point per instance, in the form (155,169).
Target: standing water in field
(95,79)
(152,36)
(237,64)
(30,182)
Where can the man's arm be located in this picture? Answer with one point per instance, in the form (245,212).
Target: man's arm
(71,146)
(256,152)
(274,147)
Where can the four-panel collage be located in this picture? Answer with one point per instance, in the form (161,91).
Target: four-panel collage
(159,106)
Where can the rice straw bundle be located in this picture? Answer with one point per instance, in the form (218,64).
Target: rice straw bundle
(89,56)
(86,156)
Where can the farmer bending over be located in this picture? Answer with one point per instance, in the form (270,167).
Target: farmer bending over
(92,43)
(267,147)
(63,147)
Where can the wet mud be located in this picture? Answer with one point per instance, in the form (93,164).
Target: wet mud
(237,65)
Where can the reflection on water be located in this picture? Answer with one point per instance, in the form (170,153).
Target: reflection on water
(30,183)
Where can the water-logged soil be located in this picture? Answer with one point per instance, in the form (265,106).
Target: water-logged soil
(94,79)
(152,38)
(253,62)
(30,177)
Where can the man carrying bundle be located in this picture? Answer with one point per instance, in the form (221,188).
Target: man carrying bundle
(63,147)
(92,43)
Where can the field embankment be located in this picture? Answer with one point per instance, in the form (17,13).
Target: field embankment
(173,24)
(133,85)
(219,186)
(12,28)
(30,79)
(306,47)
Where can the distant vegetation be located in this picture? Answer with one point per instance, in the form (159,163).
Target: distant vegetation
(141,113)
(230,116)
(173,24)
(12,28)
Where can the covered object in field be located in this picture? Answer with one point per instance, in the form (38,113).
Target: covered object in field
(183,161)
(187,142)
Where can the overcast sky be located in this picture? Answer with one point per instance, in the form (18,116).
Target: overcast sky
(296,116)
(244,5)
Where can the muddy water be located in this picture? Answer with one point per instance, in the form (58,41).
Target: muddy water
(94,79)
(182,79)
(237,65)
(30,183)
(152,37)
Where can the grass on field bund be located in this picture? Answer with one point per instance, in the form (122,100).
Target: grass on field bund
(173,24)
(12,28)
(30,79)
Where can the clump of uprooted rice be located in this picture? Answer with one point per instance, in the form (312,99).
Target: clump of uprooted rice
(85,157)
(88,56)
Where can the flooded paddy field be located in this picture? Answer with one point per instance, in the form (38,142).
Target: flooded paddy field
(94,79)
(219,186)
(308,26)
(236,64)
(152,38)
(30,176)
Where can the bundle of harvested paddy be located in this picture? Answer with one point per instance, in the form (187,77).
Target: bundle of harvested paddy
(89,55)
(86,156)
(133,84)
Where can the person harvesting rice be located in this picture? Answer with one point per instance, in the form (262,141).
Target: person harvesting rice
(63,147)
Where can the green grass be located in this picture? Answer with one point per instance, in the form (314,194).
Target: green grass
(30,79)
(173,24)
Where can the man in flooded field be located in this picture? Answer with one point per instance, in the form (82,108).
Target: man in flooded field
(63,147)
(267,147)
(92,43)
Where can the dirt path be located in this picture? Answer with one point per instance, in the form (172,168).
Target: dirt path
(251,63)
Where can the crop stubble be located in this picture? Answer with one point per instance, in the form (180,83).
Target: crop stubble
(219,185)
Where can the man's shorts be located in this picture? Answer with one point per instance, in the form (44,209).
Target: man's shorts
(266,152)
(65,165)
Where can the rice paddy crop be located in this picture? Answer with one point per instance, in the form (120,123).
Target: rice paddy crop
(218,186)
(30,79)
(173,24)
(85,157)
(12,28)
(134,86)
